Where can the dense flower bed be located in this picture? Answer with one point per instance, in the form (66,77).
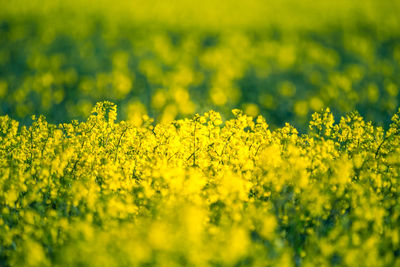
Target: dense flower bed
(199,192)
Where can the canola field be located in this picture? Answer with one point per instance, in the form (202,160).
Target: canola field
(199,133)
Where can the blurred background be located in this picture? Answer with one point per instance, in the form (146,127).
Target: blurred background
(170,59)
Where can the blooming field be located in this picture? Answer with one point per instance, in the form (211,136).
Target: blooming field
(199,192)
(284,59)
(224,150)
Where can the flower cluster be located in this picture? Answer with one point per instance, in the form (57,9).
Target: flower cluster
(199,192)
